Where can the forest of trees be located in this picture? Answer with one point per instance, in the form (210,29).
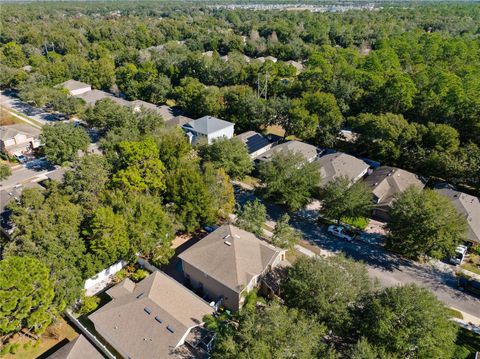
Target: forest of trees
(404,78)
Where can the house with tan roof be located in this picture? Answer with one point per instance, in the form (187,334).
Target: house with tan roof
(150,319)
(338,164)
(309,152)
(18,139)
(227,264)
(388,182)
(468,206)
(78,348)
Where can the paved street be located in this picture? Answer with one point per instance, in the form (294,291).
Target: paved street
(26,173)
(387,268)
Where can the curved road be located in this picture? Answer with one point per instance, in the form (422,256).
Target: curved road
(389,269)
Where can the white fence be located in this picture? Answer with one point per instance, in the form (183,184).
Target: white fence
(100,280)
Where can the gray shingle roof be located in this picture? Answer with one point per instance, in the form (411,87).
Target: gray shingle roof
(9,131)
(308,151)
(72,85)
(340,164)
(149,319)
(386,182)
(231,256)
(79,348)
(468,206)
(207,125)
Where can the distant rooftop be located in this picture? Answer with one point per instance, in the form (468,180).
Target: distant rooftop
(340,164)
(309,152)
(78,348)
(253,140)
(72,85)
(468,206)
(386,182)
(207,125)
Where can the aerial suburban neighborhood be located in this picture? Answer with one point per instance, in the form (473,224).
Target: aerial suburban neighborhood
(196,179)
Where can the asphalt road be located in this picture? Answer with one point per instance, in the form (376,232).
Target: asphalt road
(387,268)
(26,173)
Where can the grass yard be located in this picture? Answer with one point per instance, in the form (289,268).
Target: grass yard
(55,333)
(6,118)
(455,313)
(293,255)
(252,181)
(472,263)
(360,222)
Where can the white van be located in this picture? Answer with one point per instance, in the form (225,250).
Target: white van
(459,256)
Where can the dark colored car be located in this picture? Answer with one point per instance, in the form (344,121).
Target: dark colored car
(469,285)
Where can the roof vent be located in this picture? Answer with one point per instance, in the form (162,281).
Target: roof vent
(140,295)
(157,318)
(227,243)
(147,310)
(170,329)
(227,236)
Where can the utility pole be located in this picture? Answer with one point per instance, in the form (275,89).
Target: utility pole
(262,86)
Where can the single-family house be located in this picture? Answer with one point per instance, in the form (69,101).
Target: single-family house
(227,263)
(255,142)
(166,112)
(75,87)
(178,121)
(309,152)
(149,319)
(18,139)
(468,206)
(340,164)
(78,348)
(91,98)
(386,183)
(298,66)
(208,128)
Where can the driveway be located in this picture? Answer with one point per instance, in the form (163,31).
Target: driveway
(389,269)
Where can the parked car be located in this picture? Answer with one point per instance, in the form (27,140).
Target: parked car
(469,285)
(341,232)
(459,256)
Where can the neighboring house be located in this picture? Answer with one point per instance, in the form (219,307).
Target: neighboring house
(298,66)
(468,206)
(386,183)
(91,98)
(178,121)
(309,152)
(208,128)
(78,348)
(227,263)
(149,319)
(166,112)
(18,139)
(75,88)
(340,164)
(255,142)
(262,59)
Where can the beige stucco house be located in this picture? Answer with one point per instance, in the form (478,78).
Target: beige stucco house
(227,264)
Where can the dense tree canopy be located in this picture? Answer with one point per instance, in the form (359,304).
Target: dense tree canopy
(61,142)
(229,154)
(26,296)
(424,223)
(342,198)
(288,180)
(252,216)
(408,321)
(327,287)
